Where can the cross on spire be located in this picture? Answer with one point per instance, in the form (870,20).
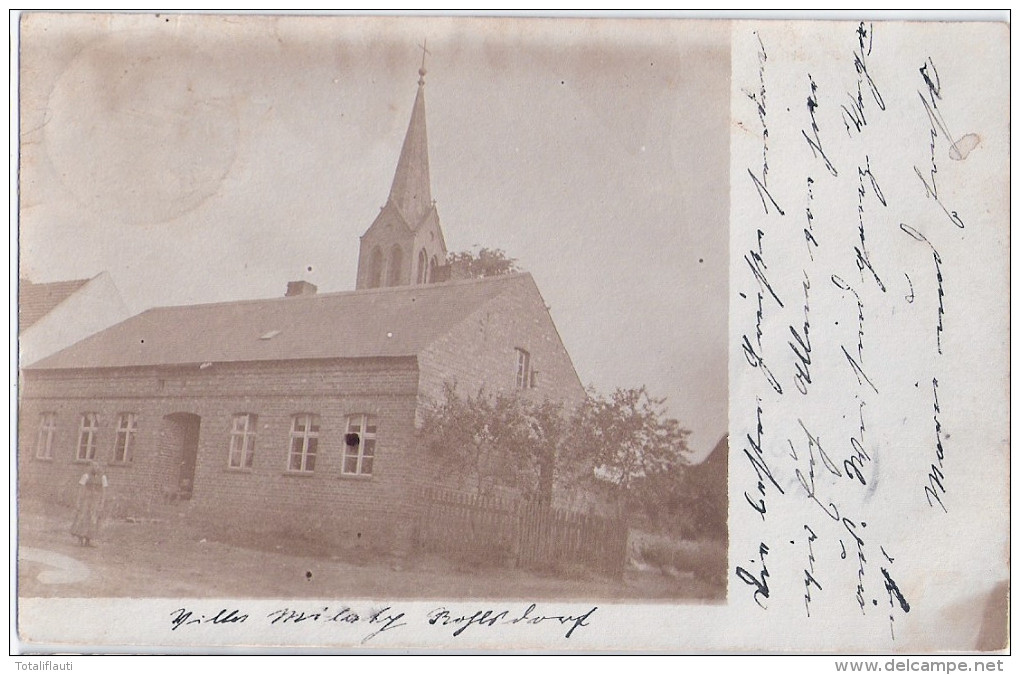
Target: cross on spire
(421,71)
(415,249)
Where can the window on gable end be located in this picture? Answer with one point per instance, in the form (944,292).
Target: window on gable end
(523,378)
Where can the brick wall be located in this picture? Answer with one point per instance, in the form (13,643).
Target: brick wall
(267,498)
(362,511)
(481,352)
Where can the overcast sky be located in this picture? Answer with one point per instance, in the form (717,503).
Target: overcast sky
(216,158)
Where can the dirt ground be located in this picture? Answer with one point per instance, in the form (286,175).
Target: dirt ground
(168,558)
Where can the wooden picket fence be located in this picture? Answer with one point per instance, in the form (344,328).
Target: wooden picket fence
(513,532)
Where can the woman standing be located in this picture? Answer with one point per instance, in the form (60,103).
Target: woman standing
(88,513)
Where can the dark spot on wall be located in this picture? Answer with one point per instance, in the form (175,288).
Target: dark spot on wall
(308,575)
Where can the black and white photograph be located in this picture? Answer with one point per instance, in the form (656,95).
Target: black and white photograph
(549,334)
(335,307)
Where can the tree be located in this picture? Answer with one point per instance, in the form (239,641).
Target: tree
(487,442)
(485,262)
(688,500)
(622,446)
(635,450)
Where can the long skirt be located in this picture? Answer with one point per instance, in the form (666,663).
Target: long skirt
(88,518)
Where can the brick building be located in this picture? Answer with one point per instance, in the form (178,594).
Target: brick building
(298,412)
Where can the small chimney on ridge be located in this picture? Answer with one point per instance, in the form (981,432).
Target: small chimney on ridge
(298,288)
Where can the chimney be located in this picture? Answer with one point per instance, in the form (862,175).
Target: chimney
(297,288)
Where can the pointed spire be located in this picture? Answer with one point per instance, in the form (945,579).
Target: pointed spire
(411,192)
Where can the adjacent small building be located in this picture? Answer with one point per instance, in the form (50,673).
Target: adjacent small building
(296,413)
(55,315)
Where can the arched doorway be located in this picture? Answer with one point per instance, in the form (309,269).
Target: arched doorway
(179,438)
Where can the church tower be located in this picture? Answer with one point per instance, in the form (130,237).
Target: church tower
(404,245)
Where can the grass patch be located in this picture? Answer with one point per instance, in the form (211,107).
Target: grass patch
(704,559)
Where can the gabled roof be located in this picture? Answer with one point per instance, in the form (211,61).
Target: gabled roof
(411,191)
(379,322)
(716,460)
(37,300)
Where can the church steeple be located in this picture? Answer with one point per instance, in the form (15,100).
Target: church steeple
(411,191)
(405,244)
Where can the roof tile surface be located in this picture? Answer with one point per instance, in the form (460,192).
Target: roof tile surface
(398,321)
(37,300)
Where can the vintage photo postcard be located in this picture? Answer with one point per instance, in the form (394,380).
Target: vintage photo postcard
(374,333)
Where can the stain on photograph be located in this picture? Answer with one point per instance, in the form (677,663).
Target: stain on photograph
(369,307)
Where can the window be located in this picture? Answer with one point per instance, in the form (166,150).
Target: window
(44,441)
(87,430)
(396,265)
(359,445)
(304,442)
(375,268)
(523,369)
(124,445)
(242,441)
(423,265)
